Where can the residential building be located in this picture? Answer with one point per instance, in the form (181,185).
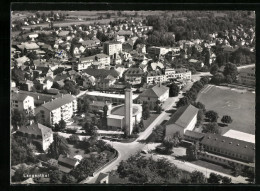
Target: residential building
(88,81)
(66,164)
(37,133)
(52,112)
(105,83)
(102,59)
(141,48)
(182,120)
(97,106)
(246,76)
(112,48)
(83,63)
(157,51)
(154,94)
(134,76)
(26,85)
(155,77)
(22,102)
(103,178)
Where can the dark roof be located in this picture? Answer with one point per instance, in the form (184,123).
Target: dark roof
(18,96)
(68,161)
(194,134)
(183,116)
(229,144)
(36,129)
(101,72)
(156,91)
(120,110)
(100,177)
(58,102)
(42,97)
(134,72)
(99,103)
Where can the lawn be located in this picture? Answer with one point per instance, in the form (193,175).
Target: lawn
(212,166)
(240,105)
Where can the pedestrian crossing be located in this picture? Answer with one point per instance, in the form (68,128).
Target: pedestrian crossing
(205,90)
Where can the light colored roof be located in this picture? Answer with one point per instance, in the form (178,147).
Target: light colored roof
(119,96)
(22,60)
(99,103)
(240,136)
(120,110)
(183,116)
(68,161)
(58,102)
(28,45)
(156,91)
(63,33)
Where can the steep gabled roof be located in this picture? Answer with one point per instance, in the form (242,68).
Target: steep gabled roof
(58,102)
(36,129)
(183,116)
(155,92)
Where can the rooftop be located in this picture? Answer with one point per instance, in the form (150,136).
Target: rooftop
(229,144)
(58,102)
(183,116)
(156,91)
(116,96)
(36,129)
(240,136)
(120,110)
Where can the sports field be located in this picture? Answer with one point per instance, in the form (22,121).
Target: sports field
(239,104)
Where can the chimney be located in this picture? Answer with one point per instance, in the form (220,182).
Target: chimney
(129,110)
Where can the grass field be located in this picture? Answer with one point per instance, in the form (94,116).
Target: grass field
(240,105)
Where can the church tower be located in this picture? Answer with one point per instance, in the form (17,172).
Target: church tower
(129,110)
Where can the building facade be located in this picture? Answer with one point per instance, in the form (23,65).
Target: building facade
(247,76)
(52,112)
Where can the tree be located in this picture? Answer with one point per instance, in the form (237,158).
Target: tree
(231,69)
(212,116)
(71,87)
(74,139)
(226,119)
(174,90)
(214,178)
(182,102)
(158,133)
(217,78)
(17,75)
(68,179)
(90,129)
(105,108)
(226,180)
(56,177)
(18,118)
(192,152)
(62,124)
(200,117)
(211,128)
(229,79)
(146,110)
(214,69)
(197,178)
(58,147)
(19,174)
(204,80)
(200,105)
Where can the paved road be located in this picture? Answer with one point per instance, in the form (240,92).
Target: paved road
(191,167)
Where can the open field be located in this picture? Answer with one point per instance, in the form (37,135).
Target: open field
(240,105)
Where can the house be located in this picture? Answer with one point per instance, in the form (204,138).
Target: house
(29,46)
(97,106)
(103,178)
(102,59)
(22,102)
(105,83)
(246,76)
(154,94)
(83,63)
(127,46)
(157,51)
(59,108)
(66,164)
(154,77)
(134,75)
(182,120)
(89,44)
(37,133)
(227,151)
(21,60)
(98,73)
(141,48)
(88,81)
(26,85)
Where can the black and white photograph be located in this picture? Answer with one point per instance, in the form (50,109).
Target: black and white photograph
(132,97)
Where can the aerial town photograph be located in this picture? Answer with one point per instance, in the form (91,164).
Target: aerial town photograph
(132,97)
